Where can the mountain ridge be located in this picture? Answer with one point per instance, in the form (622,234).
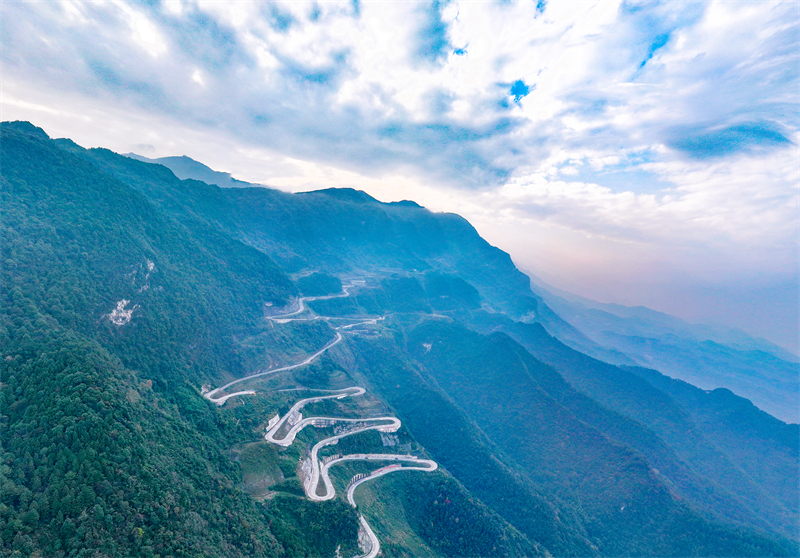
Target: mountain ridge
(633,348)
(185,167)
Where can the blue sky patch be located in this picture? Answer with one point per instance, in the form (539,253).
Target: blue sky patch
(319,75)
(280,20)
(432,42)
(630,8)
(657,43)
(519,90)
(749,136)
(625,176)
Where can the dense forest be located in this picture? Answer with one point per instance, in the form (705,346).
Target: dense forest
(106,446)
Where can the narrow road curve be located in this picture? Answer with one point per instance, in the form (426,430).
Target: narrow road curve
(367,537)
(420,464)
(311,485)
(288,438)
(284,318)
(222,399)
(427,465)
(368,541)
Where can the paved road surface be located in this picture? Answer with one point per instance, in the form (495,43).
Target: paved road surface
(221,400)
(371,545)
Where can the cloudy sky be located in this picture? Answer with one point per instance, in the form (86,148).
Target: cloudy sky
(632,152)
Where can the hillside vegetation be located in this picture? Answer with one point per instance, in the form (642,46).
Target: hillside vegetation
(128,293)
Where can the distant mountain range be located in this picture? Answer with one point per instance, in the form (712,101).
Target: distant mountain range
(185,167)
(560,427)
(707,356)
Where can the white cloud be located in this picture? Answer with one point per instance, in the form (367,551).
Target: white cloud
(747,205)
(197,77)
(144,33)
(173,7)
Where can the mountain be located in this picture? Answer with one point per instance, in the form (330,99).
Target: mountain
(708,357)
(683,441)
(166,390)
(106,447)
(185,167)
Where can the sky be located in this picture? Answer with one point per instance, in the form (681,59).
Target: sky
(644,153)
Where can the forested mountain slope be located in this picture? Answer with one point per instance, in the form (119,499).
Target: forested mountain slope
(475,370)
(336,230)
(704,463)
(106,447)
(126,290)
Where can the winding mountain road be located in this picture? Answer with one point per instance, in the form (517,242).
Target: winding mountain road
(284,318)
(222,399)
(374,544)
(282,431)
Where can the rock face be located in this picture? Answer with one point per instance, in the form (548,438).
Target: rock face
(122,315)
